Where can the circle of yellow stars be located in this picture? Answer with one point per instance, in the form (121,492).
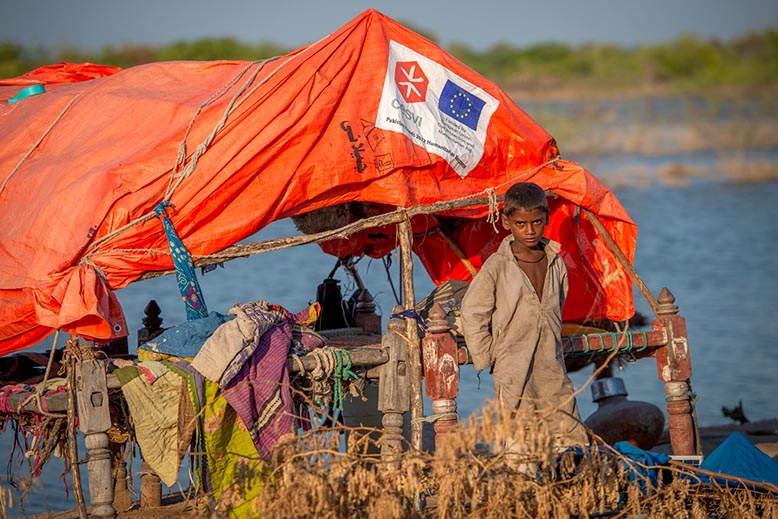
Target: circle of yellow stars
(460,115)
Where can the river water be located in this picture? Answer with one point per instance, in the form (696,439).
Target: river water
(714,245)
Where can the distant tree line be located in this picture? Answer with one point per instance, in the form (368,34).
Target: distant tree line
(686,62)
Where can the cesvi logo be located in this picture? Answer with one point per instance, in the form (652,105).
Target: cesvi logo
(411,81)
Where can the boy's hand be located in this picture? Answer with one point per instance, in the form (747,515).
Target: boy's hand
(481,362)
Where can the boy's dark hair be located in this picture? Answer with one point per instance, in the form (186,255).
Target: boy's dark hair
(525,195)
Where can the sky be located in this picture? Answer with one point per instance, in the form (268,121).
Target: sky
(92,24)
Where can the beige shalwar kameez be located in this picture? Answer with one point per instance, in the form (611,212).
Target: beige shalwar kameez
(509,328)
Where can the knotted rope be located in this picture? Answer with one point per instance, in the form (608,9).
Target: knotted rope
(328,377)
(623,346)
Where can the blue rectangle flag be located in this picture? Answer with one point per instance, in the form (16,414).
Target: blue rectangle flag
(458,103)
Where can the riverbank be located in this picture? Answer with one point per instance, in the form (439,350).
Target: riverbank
(635,138)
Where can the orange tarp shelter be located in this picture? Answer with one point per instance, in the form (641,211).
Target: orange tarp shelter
(372,113)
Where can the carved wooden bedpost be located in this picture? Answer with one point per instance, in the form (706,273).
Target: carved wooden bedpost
(94,420)
(152,323)
(675,369)
(394,387)
(150,483)
(365,316)
(441,371)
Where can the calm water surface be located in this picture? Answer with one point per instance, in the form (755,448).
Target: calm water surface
(715,246)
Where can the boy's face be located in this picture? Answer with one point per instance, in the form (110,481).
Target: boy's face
(526,226)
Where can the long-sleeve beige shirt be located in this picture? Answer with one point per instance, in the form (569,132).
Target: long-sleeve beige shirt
(503,319)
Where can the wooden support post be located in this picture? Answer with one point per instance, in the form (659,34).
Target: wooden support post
(625,264)
(365,316)
(150,487)
(441,372)
(411,331)
(675,369)
(150,483)
(94,420)
(393,389)
(454,246)
(122,499)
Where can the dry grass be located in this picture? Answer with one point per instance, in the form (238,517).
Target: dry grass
(338,473)
(472,476)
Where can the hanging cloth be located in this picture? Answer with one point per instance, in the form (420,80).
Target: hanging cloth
(185,270)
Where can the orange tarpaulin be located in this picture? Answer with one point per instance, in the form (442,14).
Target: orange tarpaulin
(372,113)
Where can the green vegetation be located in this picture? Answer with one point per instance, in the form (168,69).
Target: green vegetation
(685,63)
(16,60)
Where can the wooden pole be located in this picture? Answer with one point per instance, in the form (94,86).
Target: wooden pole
(454,246)
(247,249)
(75,472)
(603,232)
(411,331)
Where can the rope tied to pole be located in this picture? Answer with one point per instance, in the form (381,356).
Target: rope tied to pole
(434,417)
(622,342)
(342,374)
(329,376)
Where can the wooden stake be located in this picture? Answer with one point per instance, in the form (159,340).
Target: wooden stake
(603,232)
(247,249)
(414,350)
(75,473)
(452,243)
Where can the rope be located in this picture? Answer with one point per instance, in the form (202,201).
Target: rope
(299,364)
(202,148)
(181,157)
(405,338)
(342,374)
(320,374)
(41,386)
(617,339)
(434,417)
(494,213)
(331,373)
(40,139)
(687,395)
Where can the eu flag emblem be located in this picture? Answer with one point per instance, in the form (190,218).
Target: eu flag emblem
(460,104)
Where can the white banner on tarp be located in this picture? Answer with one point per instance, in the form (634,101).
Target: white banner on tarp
(435,108)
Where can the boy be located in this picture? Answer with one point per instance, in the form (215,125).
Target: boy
(512,316)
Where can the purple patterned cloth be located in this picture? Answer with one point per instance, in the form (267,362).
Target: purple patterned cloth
(256,383)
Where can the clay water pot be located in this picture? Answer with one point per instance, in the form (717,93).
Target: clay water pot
(619,419)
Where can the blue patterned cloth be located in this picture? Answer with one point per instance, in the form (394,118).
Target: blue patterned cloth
(185,270)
